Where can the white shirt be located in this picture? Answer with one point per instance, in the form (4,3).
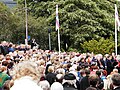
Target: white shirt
(25,83)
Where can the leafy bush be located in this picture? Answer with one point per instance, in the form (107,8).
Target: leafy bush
(102,46)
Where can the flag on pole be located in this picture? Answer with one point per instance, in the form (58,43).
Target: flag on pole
(57,19)
(117,16)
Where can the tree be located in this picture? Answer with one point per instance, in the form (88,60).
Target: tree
(80,20)
(7,23)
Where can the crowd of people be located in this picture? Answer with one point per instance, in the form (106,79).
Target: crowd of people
(26,68)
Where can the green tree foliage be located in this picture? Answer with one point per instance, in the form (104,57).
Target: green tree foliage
(80,21)
(36,28)
(7,23)
(103,46)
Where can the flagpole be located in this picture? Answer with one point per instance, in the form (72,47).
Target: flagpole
(116,32)
(57,28)
(59,42)
(26,24)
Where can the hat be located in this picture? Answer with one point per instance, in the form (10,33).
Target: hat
(69,76)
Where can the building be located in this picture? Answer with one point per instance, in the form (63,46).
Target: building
(9,3)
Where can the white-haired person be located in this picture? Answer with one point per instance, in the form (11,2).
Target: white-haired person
(57,85)
(26,76)
(43,83)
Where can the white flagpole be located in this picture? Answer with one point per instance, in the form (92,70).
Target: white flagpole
(57,28)
(116,31)
(59,42)
(26,22)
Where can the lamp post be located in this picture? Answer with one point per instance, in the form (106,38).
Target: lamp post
(26,24)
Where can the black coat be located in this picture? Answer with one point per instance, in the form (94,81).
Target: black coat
(67,86)
(3,50)
(51,77)
(84,83)
(109,66)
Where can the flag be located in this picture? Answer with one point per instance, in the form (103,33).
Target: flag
(57,19)
(117,16)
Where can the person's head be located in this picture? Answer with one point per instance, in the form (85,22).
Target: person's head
(87,71)
(98,72)
(93,80)
(3,68)
(82,60)
(116,79)
(56,86)
(8,57)
(10,45)
(82,72)
(51,69)
(78,68)
(27,68)
(42,62)
(70,79)
(68,65)
(46,70)
(104,73)
(115,70)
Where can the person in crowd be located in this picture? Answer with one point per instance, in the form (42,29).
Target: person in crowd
(11,48)
(26,77)
(46,70)
(48,65)
(100,81)
(116,81)
(57,85)
(109,64)
(44,84)
(114,71)
(94,69)
(4,47)
(68,67)
(51,76)
(85,80)
(93,81)
(3,76)
(6,85)
(108,83)
(34,44)
(104,75)
(69,82)
(78,72)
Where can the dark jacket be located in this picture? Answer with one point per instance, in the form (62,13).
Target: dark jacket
(51,77)
(84,83)
(67,86)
